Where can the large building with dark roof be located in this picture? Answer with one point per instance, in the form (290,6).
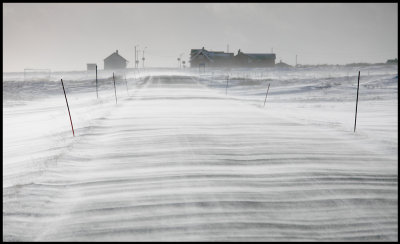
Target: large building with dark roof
(205,58)
(202,57)
(258,60)
(115,61)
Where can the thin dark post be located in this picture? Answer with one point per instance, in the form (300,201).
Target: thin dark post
(115,90)
(358,86)
(73,133)
(96,83)
(227,81)
(126,82)
(266,94)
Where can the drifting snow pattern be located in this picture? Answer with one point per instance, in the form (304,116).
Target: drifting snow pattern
(179,160)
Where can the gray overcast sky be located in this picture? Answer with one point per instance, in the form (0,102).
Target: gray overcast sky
(66,36)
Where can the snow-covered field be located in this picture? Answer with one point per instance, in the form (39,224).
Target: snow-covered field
(181,157)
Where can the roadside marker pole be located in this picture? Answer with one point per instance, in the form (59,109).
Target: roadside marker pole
(266,94)
(227,81)
(96,83)
(73,133)
(115,90)
(358,87)
(126,82)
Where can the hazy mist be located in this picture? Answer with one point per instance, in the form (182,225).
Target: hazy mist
(66,36)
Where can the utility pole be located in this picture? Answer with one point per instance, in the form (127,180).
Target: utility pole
(136,58)
(143,57)
(227,49)
(137,61)
(179,60)
(296,60)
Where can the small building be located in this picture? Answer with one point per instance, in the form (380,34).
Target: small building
(115,61)
(255,60)
(91,66)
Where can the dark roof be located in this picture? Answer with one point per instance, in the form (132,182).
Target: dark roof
(282,64)
(196,52)
(219,55)
(117,55)
(260,55)
(210,55)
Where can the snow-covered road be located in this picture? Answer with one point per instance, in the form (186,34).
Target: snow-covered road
(178,160)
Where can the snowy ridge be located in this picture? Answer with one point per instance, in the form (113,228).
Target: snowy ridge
(178,160)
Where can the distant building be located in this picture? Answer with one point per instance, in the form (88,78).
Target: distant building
(282,65)
(392,61)
(202,57)
(115,61)
(255,60)
(91,67)
(205,58)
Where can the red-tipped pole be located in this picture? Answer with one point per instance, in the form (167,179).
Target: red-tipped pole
(266,94)
(115,90)
(73,133)
(358,86)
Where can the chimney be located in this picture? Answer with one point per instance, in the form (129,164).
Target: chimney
(116,51)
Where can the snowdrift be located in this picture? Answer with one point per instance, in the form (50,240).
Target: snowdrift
(189,156)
